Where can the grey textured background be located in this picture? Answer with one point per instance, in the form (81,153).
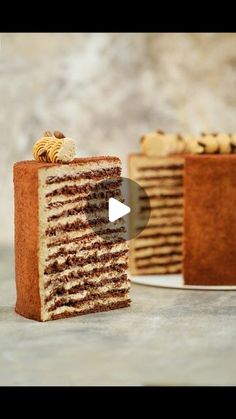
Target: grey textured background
(106,90)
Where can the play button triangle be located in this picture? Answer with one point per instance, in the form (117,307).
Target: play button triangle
(117,210)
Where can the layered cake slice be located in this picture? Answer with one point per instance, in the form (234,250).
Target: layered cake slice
(158,248)
(63,266)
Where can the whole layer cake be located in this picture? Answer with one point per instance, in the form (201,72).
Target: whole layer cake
(210,220)
(158,248)
(63,267)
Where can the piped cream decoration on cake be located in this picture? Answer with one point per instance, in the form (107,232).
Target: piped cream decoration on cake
(161,144)
(54,148)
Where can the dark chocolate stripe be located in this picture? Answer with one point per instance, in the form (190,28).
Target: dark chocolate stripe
(76,189)
(174,177)
(169,167)
(78,210)
(175,224)
(162,207)
(160,196)
(75,226)
(157,246)
(156,265)
(165,244)
(86,236)
(74,303)
(97,308)
(95,246)
(95,195)
(156,236)
(60,290)
(71,261)
(94,273)
(163,186)
(91,174)
(162,255)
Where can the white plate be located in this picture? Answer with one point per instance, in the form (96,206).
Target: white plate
(175,281)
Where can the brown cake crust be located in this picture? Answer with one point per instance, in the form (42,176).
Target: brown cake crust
(210,220)
(81,160)
(26,202)
(26,240)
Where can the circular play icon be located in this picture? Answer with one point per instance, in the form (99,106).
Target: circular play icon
(117,206)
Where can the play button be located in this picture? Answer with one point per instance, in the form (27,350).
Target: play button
(117,210)
(117,207)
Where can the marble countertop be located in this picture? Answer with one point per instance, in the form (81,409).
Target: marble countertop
(167,337)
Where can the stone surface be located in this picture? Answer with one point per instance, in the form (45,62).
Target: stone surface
(106,90)
(167,337)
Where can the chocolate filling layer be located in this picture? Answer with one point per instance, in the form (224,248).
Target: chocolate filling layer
(162,255)
(143,209)
(156,265)
(164,186)
(115,282)
(95,195)
(159,226)
(168,167)
(97,308)
(173,177)
(160,196)
(96,246)
(73,303)
(74,261)
(75,226)
(77,210)
(94,273)
(91,174)
(76,189)
(86,236)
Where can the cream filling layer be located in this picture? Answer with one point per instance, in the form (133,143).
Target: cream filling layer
(144,242)
(170,183)
(161,230)
(160,269)
(86,293)
(71,246)
(158,173)
(165,250)
(88,267)
(163,201)
(162,191)
(158,260)
(54,242)
(79,182)
(160,221)
(162,213)
(90,253)
(80,282)
(89,305)
(82,218)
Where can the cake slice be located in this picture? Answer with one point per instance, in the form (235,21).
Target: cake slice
(158,248)
(63,267)
(210,220)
